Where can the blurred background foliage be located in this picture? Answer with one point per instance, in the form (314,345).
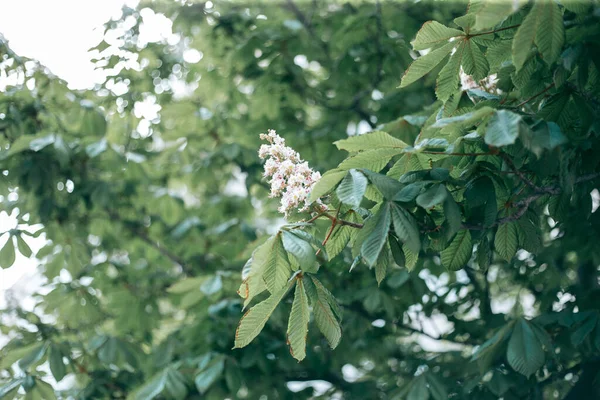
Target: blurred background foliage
(148,194)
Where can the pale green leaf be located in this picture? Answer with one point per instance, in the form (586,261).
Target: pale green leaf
(432,34)
(474,62)
(503,128)
(352,188)
(370,141)
(326,312)
(301,250)
(491,13)
(374,160)
(425,64)
(550,34)
(7,254)
(433,196)
(277,269)
(525,36)
(449,77)
(326,183)
(298,323)
(23,246)
(254,319)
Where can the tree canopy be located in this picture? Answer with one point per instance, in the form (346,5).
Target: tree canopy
(436,235)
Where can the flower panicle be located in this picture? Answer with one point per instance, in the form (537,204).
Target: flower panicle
(290,177)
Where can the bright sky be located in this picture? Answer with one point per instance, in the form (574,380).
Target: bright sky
(58,33)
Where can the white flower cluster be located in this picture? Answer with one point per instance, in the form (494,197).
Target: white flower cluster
(291,177)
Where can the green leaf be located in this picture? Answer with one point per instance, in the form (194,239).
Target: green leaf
(550,34)
(387,186)
(33,356)
(503,128)
(418,389)
(579,335)
(449,77)
(370,141)
(437,388)
(9,390)
(458,253)
(374,160)
(277,267)
(382,265)
(452,214)
(152,388)
(432,34)
(490,350)
(406,228)
(7,254)
(424,64)
(352,188)
(474,62)
(23,246)
(44,390)
(543,136)
(525,353)
(57,366)
(175,384)
(301,250)
(254,319)
(491,13)
(505,241)
(327,315)
(433,196)
(376,230)
(209,375)
(411,257)
(409,192)
(326,183)
(525,36)
(484,253)
(298,323)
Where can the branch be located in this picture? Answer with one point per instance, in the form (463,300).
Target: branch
(494,31)
(534,96)
(155,244)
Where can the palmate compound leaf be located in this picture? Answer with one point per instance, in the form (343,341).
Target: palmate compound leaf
(525,353)
(425,64)
(254,320)
(432,34)
(325,309)
(370,141)
(458,253)
(297,330)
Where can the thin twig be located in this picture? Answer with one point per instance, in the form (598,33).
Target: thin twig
(494,31)
(534,96)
